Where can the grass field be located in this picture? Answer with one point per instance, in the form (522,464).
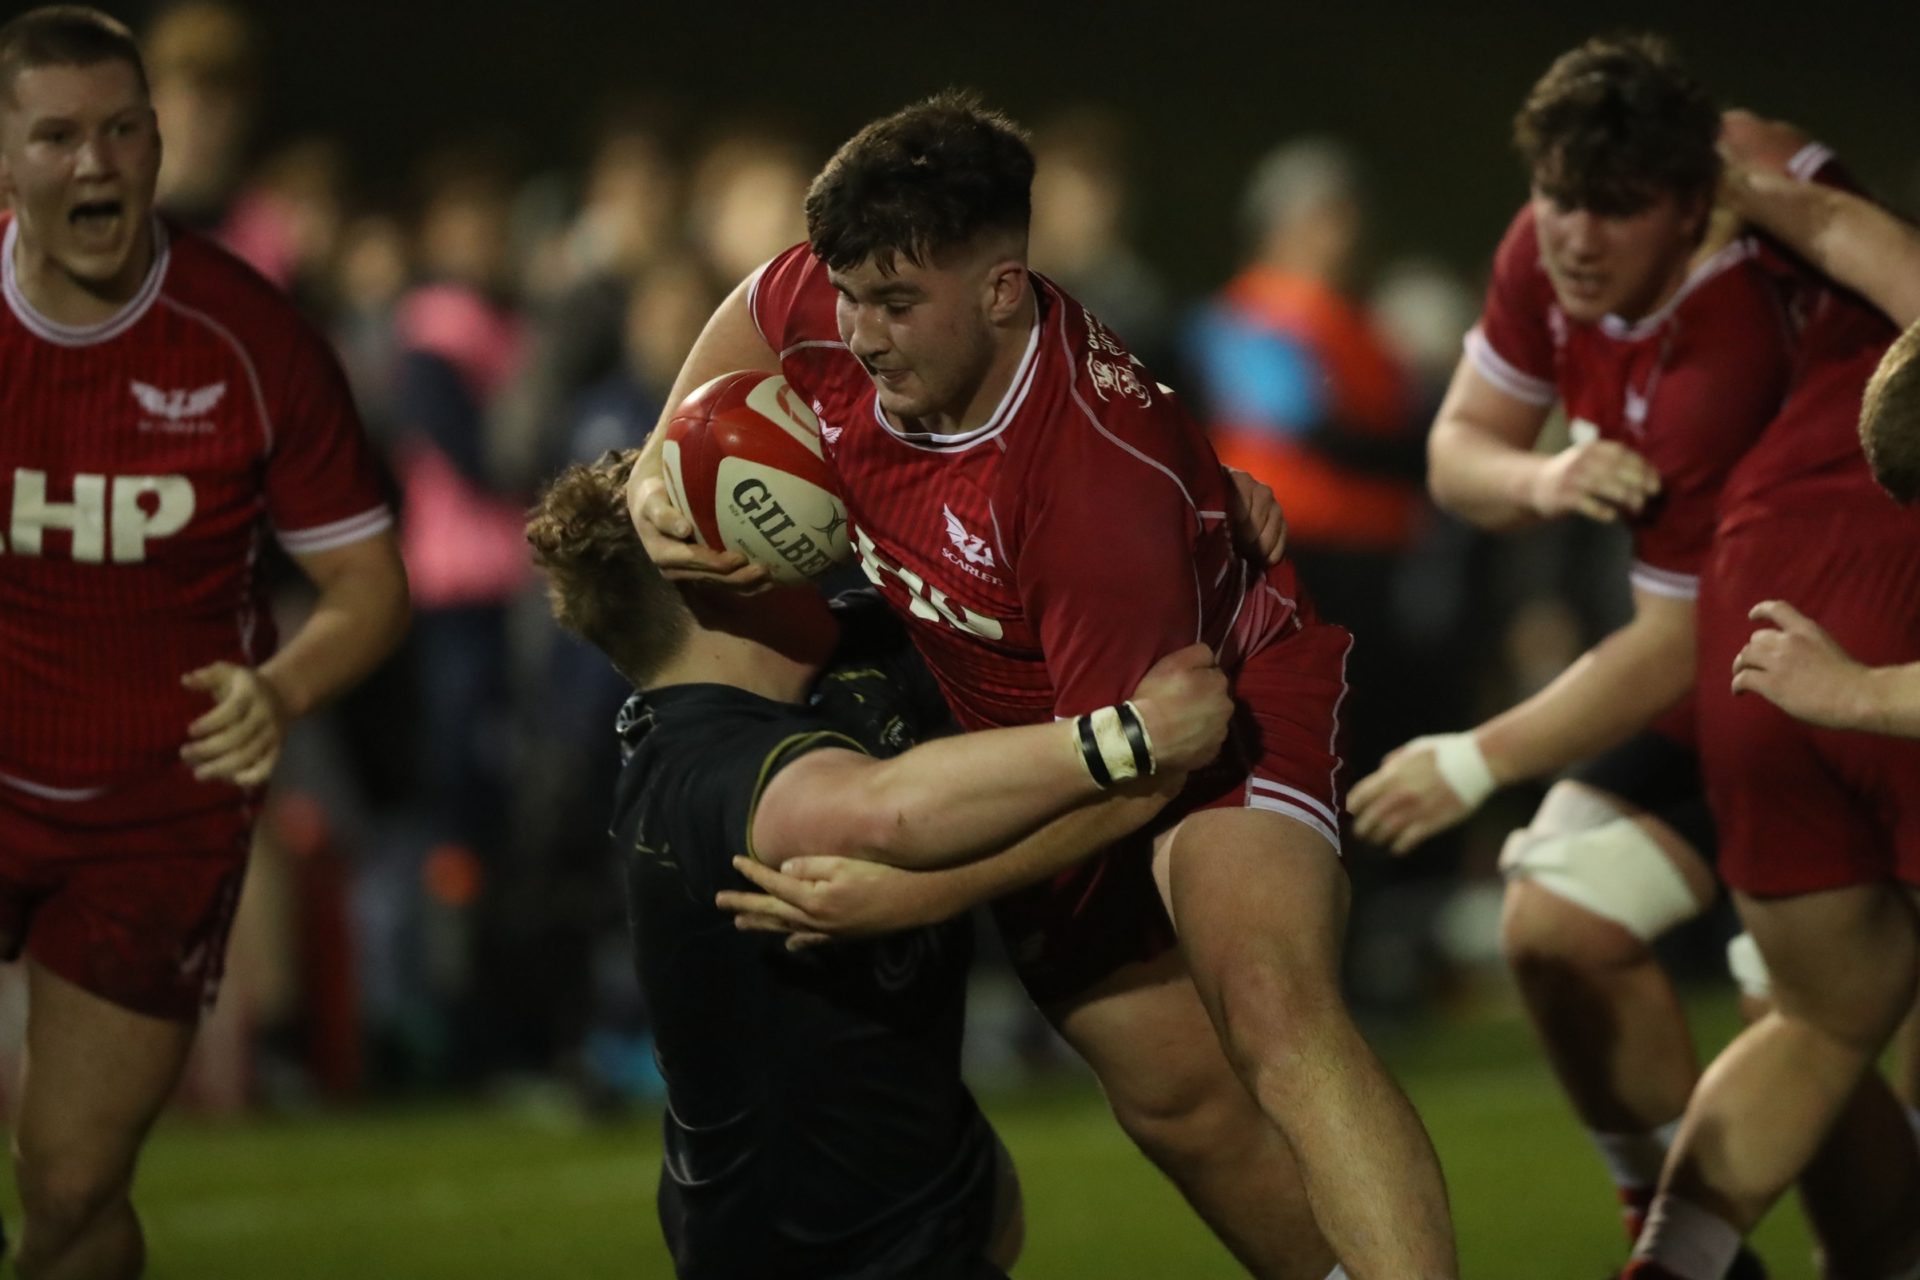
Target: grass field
(446,1192)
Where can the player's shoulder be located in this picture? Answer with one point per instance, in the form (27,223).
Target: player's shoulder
(1519,248)
(1096,393)
(208,283)
(790,298)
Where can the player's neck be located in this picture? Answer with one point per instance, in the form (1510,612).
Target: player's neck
(60,296)
(1010,342)
(773,644)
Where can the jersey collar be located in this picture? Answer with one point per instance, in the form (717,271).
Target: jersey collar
(1003,413)
(70,335)
(1633,330)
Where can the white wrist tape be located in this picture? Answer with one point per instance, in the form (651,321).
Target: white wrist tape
(1113,744)
(1462,766)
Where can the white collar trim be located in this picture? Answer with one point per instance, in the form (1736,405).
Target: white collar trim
(1003,413)
(70,335)
(1632,331)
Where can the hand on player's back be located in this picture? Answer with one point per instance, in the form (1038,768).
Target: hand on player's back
(1259,525)
(667,535)
(1185,705)
(1598,479)
(824,896)
(1754,143)
(1793,663)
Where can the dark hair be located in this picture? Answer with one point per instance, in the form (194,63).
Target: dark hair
(919,182)
(601,584)
(65,35)
(1617,123)
(1890,419)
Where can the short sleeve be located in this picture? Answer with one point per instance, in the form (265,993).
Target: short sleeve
(1512,346)
(323,486)
(784,298)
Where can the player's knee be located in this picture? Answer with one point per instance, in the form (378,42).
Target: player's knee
(1273,1016)
(1191,1108)
(62,1196)
(1601,893)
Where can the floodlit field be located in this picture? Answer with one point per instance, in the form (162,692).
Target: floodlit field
(470,1192)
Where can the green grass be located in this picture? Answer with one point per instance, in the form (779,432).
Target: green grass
(465,1192)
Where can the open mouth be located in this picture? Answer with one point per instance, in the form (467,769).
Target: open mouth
(96,218)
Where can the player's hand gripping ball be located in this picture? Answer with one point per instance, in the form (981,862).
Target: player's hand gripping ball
(742,459)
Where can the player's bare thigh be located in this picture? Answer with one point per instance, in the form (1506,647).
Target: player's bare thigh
(1277,878)
(1846,960)
(94,1079)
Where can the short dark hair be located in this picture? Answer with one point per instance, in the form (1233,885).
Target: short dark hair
(1890,419)
(65,35)
(601,583)
(924,180)
(1617,123)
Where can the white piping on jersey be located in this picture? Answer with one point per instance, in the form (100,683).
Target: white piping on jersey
(999,540)
(1003,413)
(246,361)
(1306,817)
(1809,160)
(65,794)
(1240,602)
(1496,369)
(753,295)
(812,342)
(338,533)
(1632,331)
(1664,582)
(1333,735)
(1298,796)
(1073,391)
(83,335)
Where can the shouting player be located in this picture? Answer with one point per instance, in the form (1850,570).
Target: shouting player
(165,411)
(822,1129)
(1661,335)
(1050,523)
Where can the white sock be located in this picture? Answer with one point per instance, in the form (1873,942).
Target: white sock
(1338,1273)
(1635,1159)
(1687,1240)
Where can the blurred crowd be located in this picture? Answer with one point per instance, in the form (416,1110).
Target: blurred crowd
(434,903)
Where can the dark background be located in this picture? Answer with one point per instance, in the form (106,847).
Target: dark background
(1426,91)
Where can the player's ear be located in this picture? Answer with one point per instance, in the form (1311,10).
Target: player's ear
(1006,289)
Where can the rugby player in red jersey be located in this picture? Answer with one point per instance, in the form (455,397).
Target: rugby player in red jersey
(165,410)
(1820,828)
(1050,522)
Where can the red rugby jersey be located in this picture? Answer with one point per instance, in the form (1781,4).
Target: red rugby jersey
(1809,461)
(143,461)
(1689,387)
(1048,557)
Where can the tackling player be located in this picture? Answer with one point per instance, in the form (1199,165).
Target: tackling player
(820,1128)
(1050,523)
(166,410)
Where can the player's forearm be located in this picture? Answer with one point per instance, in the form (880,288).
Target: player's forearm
(957,798)
(1890,701)
(358,619)
(1848,237)
(1610,693)
(1480,477)
(1053,848)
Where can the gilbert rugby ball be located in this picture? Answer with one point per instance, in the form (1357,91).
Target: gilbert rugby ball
(742,460)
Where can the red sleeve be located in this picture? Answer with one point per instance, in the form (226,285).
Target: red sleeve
(323,486)
(1722,383)
(1512,347)
(1108,550)
(791,301)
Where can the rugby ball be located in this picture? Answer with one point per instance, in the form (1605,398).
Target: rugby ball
(742,459)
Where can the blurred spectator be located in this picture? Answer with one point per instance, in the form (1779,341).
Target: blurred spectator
(203,61)
(286,223)
(1080,235)
(630,201)
(459,342)
(745,199)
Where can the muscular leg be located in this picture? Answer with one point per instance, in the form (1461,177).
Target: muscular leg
(1576,928)
(1260,903)
(1147,1036)
(94,1079)
(1843,967)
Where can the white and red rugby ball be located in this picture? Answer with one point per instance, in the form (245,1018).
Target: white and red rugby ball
(742,460)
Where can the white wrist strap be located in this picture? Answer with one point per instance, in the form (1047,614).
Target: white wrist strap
(1463,766)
